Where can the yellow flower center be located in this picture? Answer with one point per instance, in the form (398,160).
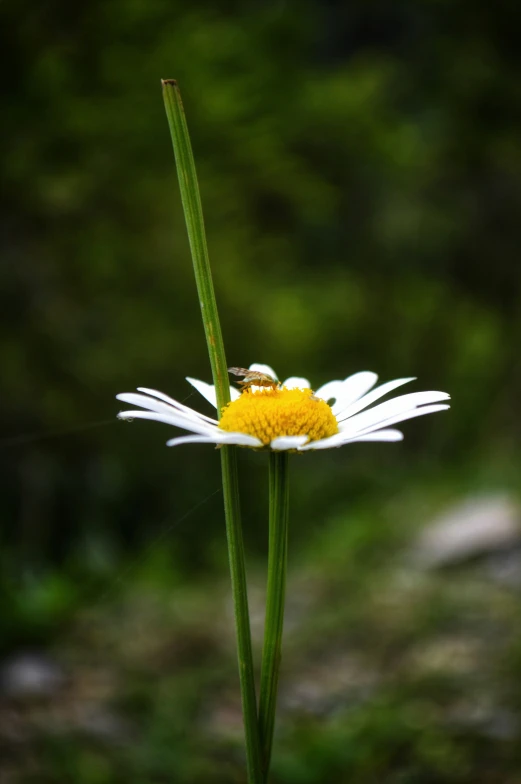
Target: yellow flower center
(271,412)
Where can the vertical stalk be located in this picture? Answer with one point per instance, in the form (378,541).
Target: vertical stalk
(197,237)
(193,212)
(276,591)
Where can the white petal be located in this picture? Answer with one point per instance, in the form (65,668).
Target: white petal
(191,440)
(208,390)
(380,435)
(324,443)
(296,382)
(171,419)
(204,389)
(329,391)
(352,388)
(398,405)
(175,403)
(375,394)
(281,443)
(266,369)
(336,441)
(150,403)
(240,439)
(402,417)
(145,402)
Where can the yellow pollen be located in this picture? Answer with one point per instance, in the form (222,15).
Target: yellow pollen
(271,412)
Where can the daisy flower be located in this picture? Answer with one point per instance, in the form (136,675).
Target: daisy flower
(289,415)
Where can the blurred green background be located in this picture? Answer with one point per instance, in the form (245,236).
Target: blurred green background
(360,169)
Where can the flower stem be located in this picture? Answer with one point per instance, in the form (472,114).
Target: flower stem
(276,591)
(193,212)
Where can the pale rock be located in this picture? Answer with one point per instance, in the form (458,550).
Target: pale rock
(476,527)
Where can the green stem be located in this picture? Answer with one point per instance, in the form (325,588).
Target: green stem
(196,234)
(193,212)
(276,591)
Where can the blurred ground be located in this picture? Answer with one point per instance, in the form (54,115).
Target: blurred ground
(393,671)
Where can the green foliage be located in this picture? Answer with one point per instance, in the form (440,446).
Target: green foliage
(360,201)
(360,172)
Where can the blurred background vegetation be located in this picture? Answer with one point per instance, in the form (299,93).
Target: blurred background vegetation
(360,169)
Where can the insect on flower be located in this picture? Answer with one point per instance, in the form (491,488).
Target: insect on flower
(289,415)
(253,378)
